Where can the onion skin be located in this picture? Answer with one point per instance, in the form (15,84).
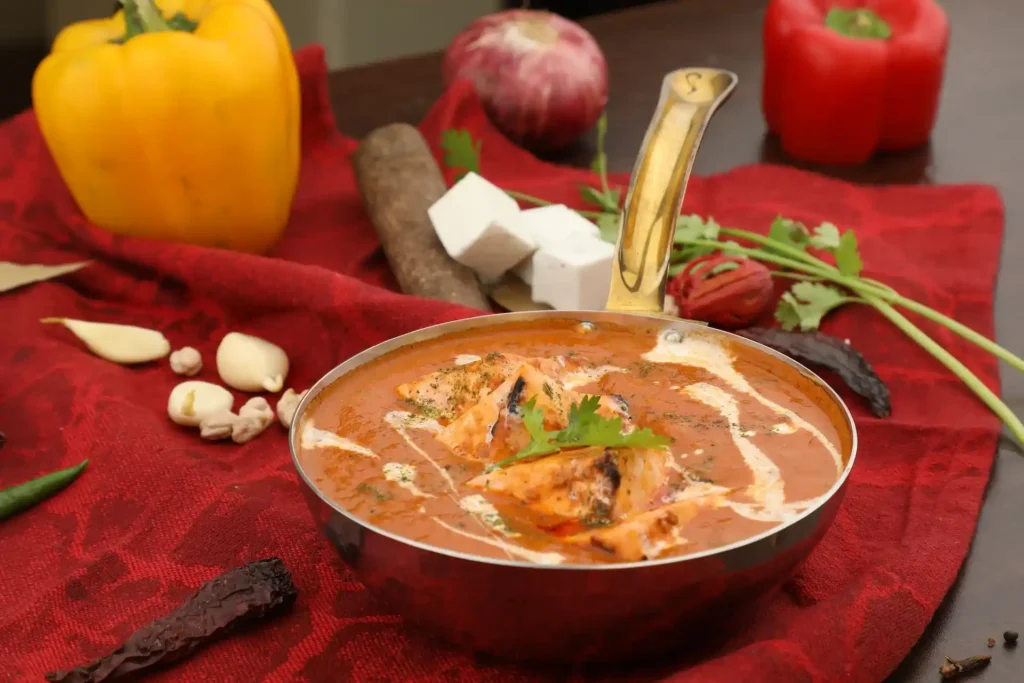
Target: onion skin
(542,79)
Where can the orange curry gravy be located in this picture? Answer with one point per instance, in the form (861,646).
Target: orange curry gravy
(404,441)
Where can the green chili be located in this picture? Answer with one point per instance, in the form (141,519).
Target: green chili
(23,496)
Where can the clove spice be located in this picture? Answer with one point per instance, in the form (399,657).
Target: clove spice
(953,668)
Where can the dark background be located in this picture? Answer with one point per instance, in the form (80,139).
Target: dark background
(578,9)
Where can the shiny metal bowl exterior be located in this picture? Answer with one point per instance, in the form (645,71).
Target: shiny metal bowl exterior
(573,613)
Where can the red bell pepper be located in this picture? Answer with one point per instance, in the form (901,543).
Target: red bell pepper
(845,79)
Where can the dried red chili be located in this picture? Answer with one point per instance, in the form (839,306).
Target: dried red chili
(223,604)
(820,350)
(728,291)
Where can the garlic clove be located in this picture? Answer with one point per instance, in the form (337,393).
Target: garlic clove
(246,429)
(14,275)
(186,361)
(287,405)
(249,363)
(192,402)
(258,409)
(218,425)
(125,344)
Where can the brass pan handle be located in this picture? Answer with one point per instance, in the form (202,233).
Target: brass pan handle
(689,98)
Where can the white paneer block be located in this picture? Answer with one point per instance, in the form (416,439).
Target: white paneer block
(549,225)
(524,269)
(472,220)
(573,274)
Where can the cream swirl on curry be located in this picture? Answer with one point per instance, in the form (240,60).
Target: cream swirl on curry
(555,444)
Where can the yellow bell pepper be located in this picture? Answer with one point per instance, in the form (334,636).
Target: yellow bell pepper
(178,122)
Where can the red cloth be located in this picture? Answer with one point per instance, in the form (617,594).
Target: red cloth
(158,511)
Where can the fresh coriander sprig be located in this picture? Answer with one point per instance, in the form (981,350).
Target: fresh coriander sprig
(461,151)
(883,291)
(585,428)
(808,301)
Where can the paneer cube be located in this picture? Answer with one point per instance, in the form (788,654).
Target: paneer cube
(573,275)
(472,221)
(549,225)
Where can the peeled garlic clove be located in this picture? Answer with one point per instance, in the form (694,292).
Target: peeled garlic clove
(249,363)
(246,429)
(258,409)
(287,406)
(125,344)
(186,361)
(219,425)
(192,402)
(14,275)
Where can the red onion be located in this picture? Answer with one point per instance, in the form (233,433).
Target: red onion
(542,78)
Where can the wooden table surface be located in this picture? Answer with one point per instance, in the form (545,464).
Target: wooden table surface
(977,139)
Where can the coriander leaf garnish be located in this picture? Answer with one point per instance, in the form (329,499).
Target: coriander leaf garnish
(694,227)
(541,440)
(689,228)
(608,224)
(843,247)
(461,151)
(848,255)
(585,428)
(789,233)
(806,304)
(826,236)
(609,201)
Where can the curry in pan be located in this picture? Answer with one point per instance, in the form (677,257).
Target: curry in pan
(575,443)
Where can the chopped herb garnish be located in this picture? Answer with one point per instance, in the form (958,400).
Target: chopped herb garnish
(643,368)
(595,522)
(425,408)
(585,428)
(378,495)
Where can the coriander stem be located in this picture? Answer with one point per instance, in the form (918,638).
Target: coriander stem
(967,333)
(796,276)
(880,285)
(762,255)
(793,252)
(537,201)
(604,176)
(529,199)
(886,293)
(987,396)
